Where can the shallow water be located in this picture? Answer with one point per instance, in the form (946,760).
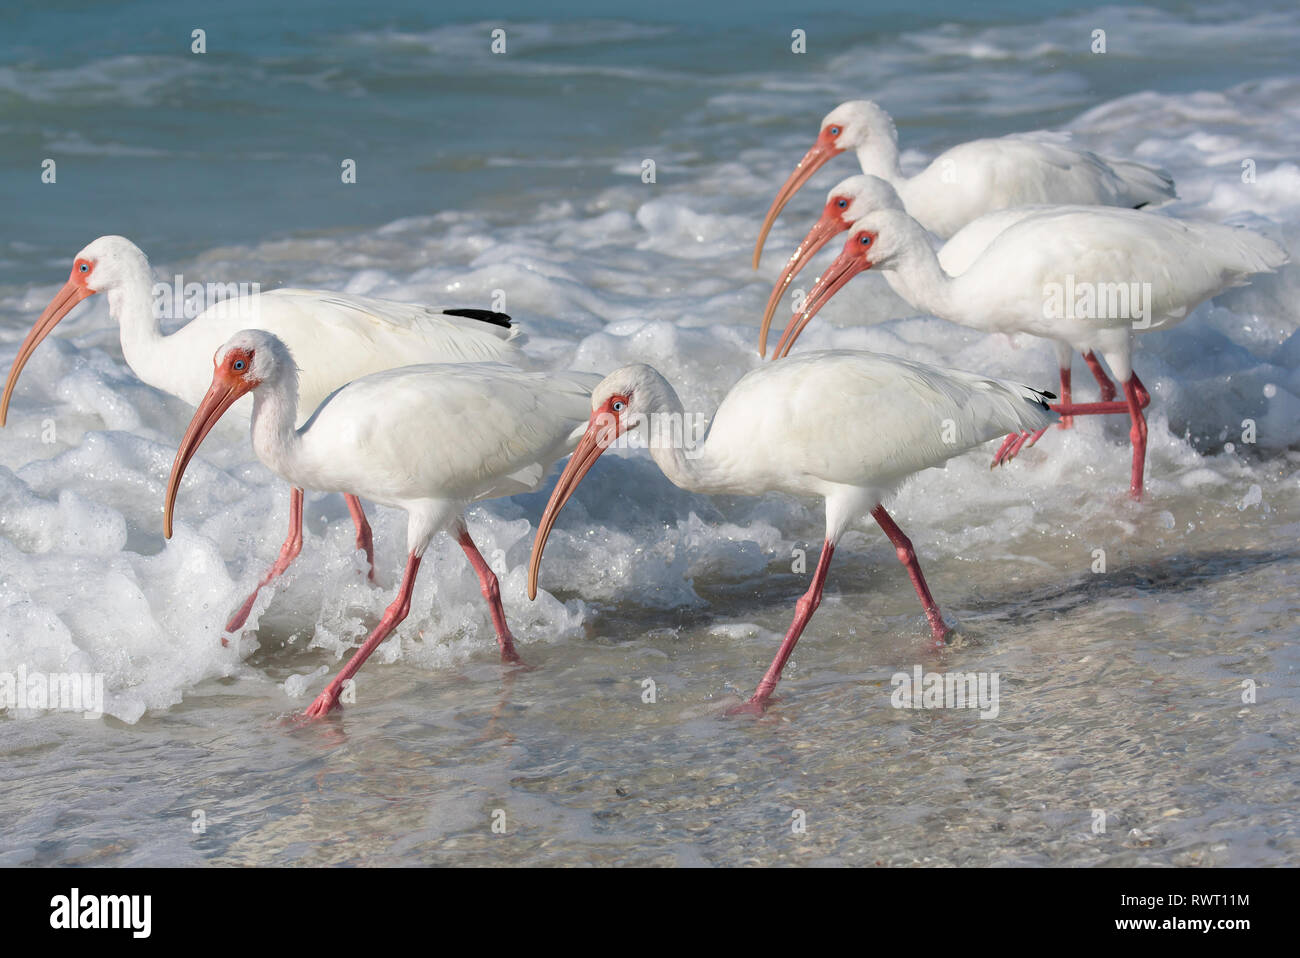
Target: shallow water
(1121,691)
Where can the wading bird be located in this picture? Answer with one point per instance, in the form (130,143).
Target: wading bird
(336,336)
(849,427)
(1087,279)
(857,196)
(428,439)
(976,177)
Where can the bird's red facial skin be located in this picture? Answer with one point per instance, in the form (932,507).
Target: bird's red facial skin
(610,422)
(862,243)
(238,365)
(82,270)
(837,208)
(827,140)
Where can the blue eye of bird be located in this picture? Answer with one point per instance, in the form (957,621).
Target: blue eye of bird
(865,240)
(842,203)
(239,364)
(835,131)
(619,406)
(85,268)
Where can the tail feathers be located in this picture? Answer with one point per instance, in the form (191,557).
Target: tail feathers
(1261,254)
(495,324)
(1032,412)
(1147,185)
(482,315)
(1245,253)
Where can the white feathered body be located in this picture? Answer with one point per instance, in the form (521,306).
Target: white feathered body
(430,438)
(983,176)
(334,337)
(823,423)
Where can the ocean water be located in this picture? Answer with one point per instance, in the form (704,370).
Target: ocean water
(1161,692)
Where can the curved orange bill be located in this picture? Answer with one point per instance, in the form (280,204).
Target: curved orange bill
(826,227)
(600,435)
(812,161)
(70,295)
(220,396)
(849,264)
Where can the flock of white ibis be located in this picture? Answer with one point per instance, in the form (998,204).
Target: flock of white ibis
(430,410)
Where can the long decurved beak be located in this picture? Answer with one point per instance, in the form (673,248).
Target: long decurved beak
(812,161)
(600,434)
(220,396)
(826,227)
(69,296)
(849,264)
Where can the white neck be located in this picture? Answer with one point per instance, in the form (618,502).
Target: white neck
(130,303)
(276,441)
(690,469)
(879,157)
(917,276)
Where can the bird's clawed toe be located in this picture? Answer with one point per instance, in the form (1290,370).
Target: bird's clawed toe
(1012,445)
(326,702)
(515,661)
(755,706)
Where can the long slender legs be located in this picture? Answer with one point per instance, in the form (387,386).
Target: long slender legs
(293,545)
(393,615)
(1067,422)
(808,603)
(492,592)
(1109,408)
(1137,400)
(288,552)
(1099,374)
(803,611)
(365,538)
(907,556)
(401,607)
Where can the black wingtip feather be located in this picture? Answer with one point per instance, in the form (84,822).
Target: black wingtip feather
(482,315)
(1045,396)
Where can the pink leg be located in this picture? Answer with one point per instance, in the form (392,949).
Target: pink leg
(365,538)
(1012,445)
(1107,408)
(1033,437)
(907,556)
(999,457)
(1067,422)
(1138,397)
(1099,374)
(1016,441)
(803,611)
(487,581)
(394,614)
(288,552)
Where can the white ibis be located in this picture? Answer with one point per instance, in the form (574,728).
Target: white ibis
(337,337)
(855,197)
(1087,279)
(428,439)
(976,177)
(849,427)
